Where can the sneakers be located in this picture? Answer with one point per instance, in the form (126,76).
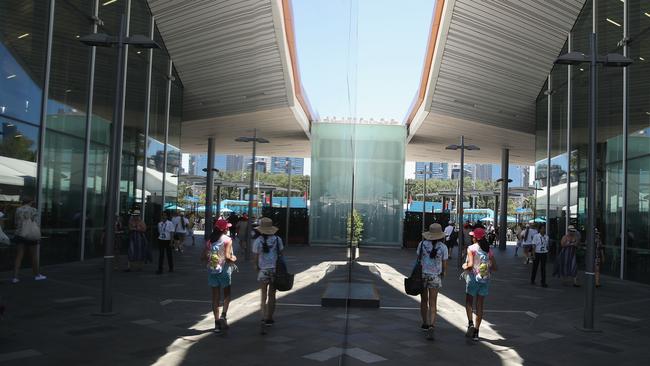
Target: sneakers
(475,335)
(223,323)
(39,277)
(217,326)
(269,322)
(424,327)
(15,280)
(431,333)
(470,330)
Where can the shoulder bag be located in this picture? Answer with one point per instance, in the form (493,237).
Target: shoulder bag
(283,280)
(413,285)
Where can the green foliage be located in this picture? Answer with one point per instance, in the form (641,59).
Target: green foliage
(357,233)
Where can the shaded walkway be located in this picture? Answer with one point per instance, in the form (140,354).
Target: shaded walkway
(166,319)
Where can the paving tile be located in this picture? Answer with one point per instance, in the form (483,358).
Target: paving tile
(18,355)
(144,322)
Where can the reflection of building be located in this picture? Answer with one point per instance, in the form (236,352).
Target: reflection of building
(73,162)
(455,171)
(438,170)
(482,171)
(278,165)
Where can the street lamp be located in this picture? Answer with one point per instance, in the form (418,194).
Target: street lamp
(424,172)
(113,184)
(461,200)
(609,60)
(288,166)
(503,221)
(254,139)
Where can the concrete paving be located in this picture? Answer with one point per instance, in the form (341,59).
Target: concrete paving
(166,319)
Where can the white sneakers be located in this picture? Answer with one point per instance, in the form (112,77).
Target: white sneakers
(38,277)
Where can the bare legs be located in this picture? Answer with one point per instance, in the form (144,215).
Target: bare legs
(424,306)
(20,253)
(267,305)
(226,300)
(216,298)
(433,306)
(469,302)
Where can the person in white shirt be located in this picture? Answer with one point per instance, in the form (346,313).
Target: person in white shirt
(181,223)
(165,233)
(540,252)
(267,248)
(527,242)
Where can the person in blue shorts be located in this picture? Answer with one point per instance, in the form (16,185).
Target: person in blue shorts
(220,260)
(478,266)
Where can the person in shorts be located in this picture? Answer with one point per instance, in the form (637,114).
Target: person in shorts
(181,223)
(26,216)
(527,237)
(478,266)
(267,248)
(433,254)
(220,260)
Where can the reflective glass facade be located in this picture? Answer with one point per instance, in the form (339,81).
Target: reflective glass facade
(56,118)
(623,145)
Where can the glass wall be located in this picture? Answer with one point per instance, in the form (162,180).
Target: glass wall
(76,125)
(611,140)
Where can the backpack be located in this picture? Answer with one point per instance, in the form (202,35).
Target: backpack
(483,274)
(216,263)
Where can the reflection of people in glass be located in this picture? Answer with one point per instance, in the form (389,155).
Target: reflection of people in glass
(565,264)
(138,252)
(27,236)
(600,257)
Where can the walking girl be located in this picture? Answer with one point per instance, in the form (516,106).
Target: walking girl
(433,254)
(267,248)
(220,260)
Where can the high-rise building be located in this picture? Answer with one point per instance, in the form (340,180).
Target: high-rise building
(278,165)
(438,170)
(482,171)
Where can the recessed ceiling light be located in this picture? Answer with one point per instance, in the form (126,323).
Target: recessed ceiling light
(647,14)
(613,22)
(109,2)
(641,58)
(23,35)
(581,69)
(11,76)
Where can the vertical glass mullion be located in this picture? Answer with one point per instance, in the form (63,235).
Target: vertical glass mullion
(626,50)
(147,117)
(167,109)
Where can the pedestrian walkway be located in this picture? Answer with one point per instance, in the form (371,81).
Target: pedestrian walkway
(166,319)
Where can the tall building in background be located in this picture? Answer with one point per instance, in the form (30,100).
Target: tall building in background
(438,170)
(483,171)
(278,163)
(234,163)
(519,174)
(455,171)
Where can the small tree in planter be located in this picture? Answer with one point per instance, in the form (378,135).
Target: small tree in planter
(355,235)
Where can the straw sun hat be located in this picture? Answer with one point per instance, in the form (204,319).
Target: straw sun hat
(434,233)
(266,226)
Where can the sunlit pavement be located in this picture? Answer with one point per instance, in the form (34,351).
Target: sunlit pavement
(166,319)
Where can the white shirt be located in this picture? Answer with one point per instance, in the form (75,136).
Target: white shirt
(531,234)
(178,227)
(267,260)
(541,243)
(448,231)
(165,230)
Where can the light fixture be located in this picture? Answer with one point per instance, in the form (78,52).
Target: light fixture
(646,14)
(11,76)
(109,2)
(641,58)
(18,136)
(613,22)
(23,35)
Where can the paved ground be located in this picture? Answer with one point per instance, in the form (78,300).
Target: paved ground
(165,319)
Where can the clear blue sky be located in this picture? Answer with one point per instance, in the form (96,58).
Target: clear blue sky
(385,62)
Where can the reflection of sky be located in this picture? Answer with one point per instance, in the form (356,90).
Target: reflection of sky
(20,97)
(12,128)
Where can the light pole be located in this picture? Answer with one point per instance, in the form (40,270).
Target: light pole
(288,166)
(424,172)
(459,205)
(113,184)
(614,60)
(503,215)
(254,139)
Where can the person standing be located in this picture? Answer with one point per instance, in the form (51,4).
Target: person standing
(27,236)
(449,230)
(478,266)
(527,242)
(190,227)
(267,248)
(565,264)
(220,260)
(165,233)
(138,252)
(180,230)
(434,255)
(518,238)
(241,229)
(540,252)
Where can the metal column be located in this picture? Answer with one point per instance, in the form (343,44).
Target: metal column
(147,118)
(503,210)
(209,189)
(165,148)
(549,126)
(460,205)
(626,76)
(569,120)
(87,137)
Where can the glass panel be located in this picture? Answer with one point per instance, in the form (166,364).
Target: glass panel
(559,160)
(174,143)
(63,158)
(23,30)
(637,262)
(541,153)
(18,145)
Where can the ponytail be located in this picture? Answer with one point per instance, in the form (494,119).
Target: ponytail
(485,246)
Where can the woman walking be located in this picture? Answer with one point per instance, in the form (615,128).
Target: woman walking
(267,248)
(480,263)
(138,252)
(433,255)
(28,234)
(565,264)
(165,232)
(220,259)
(540,252)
